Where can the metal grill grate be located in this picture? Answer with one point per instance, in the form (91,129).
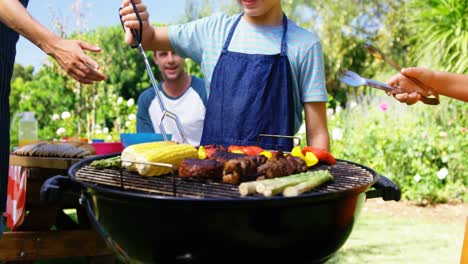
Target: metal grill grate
(346,176)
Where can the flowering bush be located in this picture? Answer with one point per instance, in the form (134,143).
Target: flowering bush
(423,149)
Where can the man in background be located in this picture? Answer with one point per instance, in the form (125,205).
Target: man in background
(182,94)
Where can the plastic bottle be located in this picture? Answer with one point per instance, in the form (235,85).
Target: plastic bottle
(27,130)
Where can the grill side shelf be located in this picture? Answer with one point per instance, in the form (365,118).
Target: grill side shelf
(346,176)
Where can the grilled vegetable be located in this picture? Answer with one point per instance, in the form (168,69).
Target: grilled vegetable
(113,162)
(294,184)
(130,153)
(247,150)
(252,187)
(321,154)
(319,178)
(170,154)
(309,157)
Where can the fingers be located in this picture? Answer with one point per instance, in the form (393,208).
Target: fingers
(87,46)
(408,99)
(412,72)
(128,10)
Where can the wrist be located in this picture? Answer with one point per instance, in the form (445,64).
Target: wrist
(50,44)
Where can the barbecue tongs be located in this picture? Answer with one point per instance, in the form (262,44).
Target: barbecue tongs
(137,37)
(380,56)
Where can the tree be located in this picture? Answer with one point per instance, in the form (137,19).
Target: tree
(440,34)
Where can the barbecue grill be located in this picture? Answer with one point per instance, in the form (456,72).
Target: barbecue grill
(169,219)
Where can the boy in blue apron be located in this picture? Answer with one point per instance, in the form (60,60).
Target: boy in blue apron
(15,20)
(261,71)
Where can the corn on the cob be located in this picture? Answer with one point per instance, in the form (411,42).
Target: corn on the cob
(170,154)
(131,153)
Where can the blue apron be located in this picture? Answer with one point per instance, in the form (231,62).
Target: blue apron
(251,94)
(8,39)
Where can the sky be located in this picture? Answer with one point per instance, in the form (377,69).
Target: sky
(98,13)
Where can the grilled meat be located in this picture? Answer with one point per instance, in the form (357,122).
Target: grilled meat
(201,168)
(282,165)
(242,169)
(224,156)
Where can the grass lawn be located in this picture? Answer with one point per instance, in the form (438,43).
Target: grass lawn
(380,238)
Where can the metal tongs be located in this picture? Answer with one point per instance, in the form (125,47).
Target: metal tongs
(380,56)
(137,37)
(354,79)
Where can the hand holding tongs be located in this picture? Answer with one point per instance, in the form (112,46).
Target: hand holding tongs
(137,37)
(380,56)
(353,79)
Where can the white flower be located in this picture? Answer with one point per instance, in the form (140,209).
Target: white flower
(61,131)
(337,134)
(338,109)
(128,123)
(55,117)
(352,105)
(424,134)
(443,134)
(330,112)
(119,100)
(109,138)
(65,115)
(417,178)
(130,102)
(131,117)
(105,130)
(442,173)
(445,159)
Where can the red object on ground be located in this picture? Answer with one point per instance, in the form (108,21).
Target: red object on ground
(107,147)
(16,198)
(322,155)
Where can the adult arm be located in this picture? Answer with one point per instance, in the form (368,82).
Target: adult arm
(68,53)
(444,83)
(316,125)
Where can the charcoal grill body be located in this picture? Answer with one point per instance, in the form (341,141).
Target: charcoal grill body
(161,229)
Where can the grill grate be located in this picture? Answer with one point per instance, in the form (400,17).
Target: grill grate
(346,176)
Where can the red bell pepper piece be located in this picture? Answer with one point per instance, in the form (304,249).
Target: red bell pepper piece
(247,150)
(321,154)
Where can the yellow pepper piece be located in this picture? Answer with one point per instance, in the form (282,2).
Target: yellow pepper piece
(237,152)
(310,159)
(296,152)
(201,152)
(267,154)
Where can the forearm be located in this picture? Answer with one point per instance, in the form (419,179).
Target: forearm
(451,85)
(159,40)
(15,16)
(316,125)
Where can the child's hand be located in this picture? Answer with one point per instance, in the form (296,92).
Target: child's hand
(130,21)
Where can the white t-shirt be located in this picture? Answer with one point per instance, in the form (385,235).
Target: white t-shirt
(189,108)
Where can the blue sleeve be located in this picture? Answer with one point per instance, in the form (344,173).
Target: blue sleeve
(312,82)
(199,86)
(188,40)
(144,124)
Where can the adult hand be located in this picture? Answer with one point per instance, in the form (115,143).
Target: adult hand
(407,91)
(130,21)
(71,57)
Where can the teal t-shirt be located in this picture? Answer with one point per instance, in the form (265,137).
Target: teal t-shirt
(202,40)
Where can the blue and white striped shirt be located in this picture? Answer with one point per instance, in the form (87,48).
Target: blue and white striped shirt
(202,40)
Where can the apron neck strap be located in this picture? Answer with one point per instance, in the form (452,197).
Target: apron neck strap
(284,44)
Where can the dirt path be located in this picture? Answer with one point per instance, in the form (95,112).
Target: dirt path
(446,213)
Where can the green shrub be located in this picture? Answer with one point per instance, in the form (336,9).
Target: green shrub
(423,149)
